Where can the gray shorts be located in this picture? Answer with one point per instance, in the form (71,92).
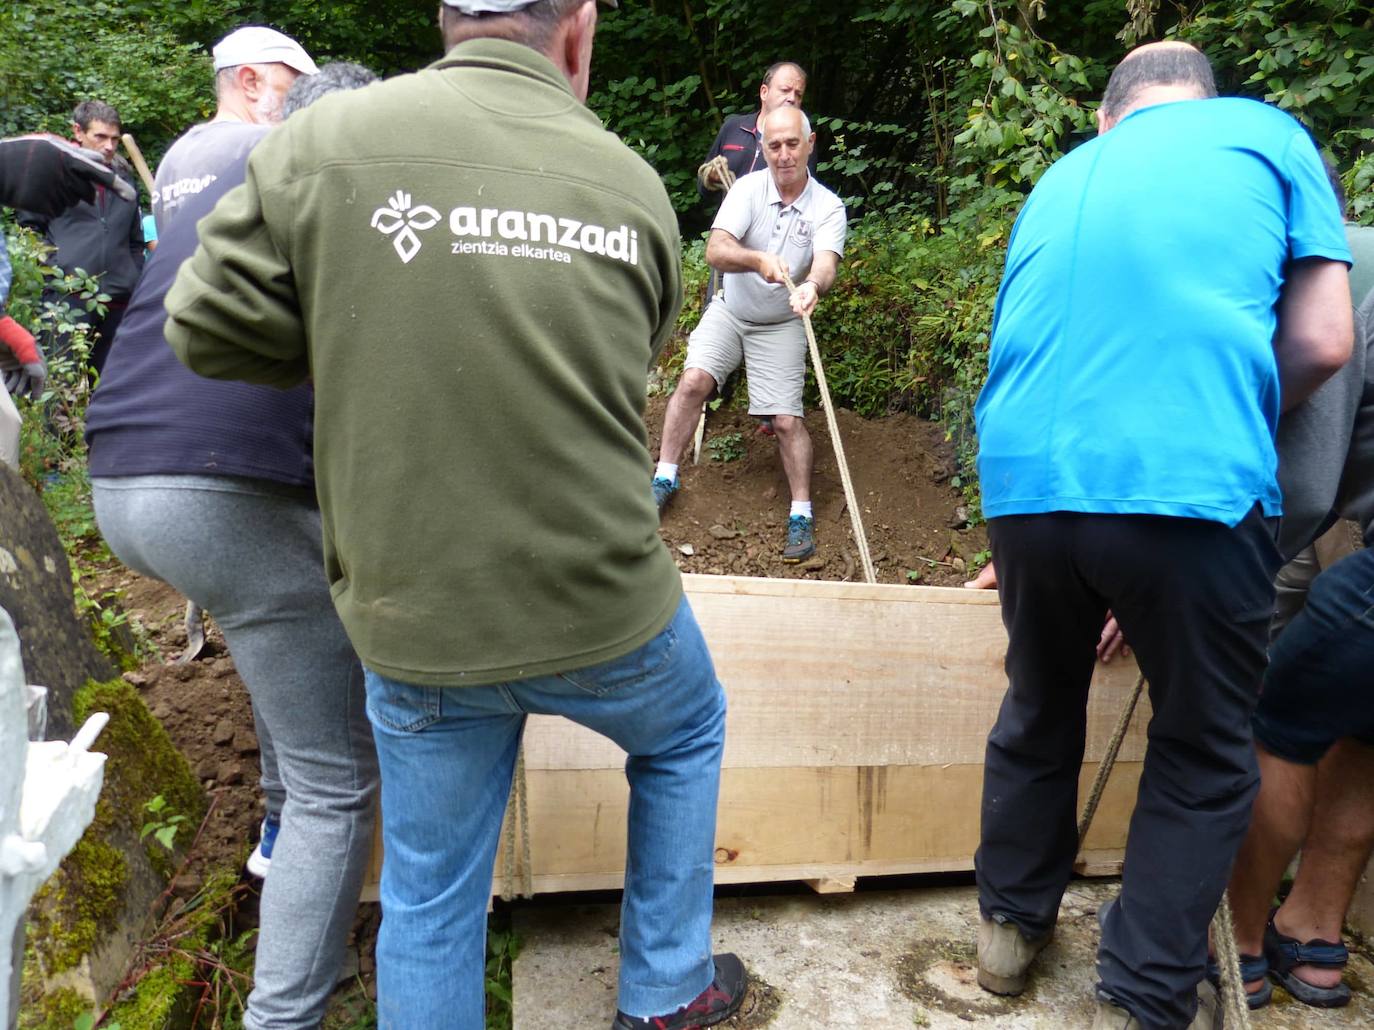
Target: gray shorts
(774,355)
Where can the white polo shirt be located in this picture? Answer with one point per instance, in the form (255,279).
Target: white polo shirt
(754,214)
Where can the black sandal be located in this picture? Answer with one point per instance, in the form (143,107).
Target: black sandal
(1252,967)
(1286,953)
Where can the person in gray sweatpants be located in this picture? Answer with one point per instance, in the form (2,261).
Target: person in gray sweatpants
(210,486)
(249,551)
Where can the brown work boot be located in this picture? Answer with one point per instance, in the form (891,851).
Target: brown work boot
(1111,1016)
(1209,1010)
(1004,955)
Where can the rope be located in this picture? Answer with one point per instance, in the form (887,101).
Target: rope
(517,810)
(1104,768)
(1236,1009)
(721,167)
(860,539)
(1233,1000)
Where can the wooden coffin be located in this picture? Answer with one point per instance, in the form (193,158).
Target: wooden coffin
(854,745)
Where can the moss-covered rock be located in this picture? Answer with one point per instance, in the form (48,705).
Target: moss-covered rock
(84,920)
(143,764)
(59,1009)
(36,590)
(161,997)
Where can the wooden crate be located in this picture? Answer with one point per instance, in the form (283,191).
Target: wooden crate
(854,741)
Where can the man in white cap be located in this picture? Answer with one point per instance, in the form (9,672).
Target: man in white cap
(209,486)
(476,224)
(254,67)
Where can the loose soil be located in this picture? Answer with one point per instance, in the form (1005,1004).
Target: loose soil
(729,518)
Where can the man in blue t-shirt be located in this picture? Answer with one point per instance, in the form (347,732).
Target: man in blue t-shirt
(1169,287)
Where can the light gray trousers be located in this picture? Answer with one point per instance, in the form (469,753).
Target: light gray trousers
(248,551)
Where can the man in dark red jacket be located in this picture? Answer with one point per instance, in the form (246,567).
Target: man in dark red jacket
(738,140)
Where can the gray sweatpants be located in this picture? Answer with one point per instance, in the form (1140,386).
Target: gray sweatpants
(248,551)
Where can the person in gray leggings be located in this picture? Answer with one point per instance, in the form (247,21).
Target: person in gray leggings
(210,487)
(249,551)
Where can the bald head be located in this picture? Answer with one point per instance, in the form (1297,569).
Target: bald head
(1156,73)
(786,120)
(787,143)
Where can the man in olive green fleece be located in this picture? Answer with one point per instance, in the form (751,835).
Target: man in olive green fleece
(477,278)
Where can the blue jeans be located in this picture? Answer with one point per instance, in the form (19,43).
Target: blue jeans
(447,756)
(1317,687)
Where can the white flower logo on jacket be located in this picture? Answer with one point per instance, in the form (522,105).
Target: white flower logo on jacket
(400,218)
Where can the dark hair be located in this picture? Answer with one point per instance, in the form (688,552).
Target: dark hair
(533,26)
(778,66)
(95,111)
(331,78)
(1333,176)
(1157,66)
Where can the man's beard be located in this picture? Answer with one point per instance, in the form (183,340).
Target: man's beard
(267,108)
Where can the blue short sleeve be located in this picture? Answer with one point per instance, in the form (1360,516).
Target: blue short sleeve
(1315,226)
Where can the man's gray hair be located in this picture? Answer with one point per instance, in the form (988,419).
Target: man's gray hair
(1157,66)
(533,26)
(331,78)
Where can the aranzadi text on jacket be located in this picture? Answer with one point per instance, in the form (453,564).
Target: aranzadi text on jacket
(487,231)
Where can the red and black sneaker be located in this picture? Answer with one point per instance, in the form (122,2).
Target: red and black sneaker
(714,1005)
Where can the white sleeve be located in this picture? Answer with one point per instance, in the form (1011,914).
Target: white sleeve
(736,212)
(830,233)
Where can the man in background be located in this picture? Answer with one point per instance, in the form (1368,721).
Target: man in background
(103,236)
(737,149)
(774,223)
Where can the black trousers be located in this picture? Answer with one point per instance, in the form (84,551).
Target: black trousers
(1194,599)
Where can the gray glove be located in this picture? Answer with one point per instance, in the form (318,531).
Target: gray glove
(46,175)
(27,380)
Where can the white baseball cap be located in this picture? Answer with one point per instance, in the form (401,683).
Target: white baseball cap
(257,44)
(498,6)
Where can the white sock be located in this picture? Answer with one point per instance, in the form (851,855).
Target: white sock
(801,508)
(666,471)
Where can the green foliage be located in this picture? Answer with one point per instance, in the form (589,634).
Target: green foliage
(51,434)
(1033,103)
(163,823)
(726,447)
(116,636)
(502,948)
(54,54)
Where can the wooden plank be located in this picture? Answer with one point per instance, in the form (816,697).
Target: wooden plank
(864,675)
(833,884)
(924,816)
(698,585)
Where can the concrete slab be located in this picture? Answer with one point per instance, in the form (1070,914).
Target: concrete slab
(889,960)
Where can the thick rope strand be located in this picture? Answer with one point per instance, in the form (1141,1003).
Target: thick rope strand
(860,539)
(517,810)
(1234,1002)
(1104,768)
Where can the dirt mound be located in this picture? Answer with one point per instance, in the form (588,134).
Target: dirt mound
(205,709)
(730,517)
